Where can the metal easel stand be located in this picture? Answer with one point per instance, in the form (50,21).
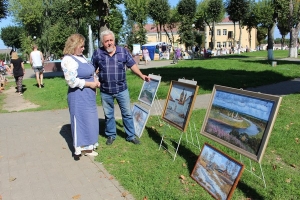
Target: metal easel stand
(262,177)
(166,144)
(190,139)
(158,108)
(192,136)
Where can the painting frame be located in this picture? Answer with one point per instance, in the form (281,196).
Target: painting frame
(241,120)
(217,172)
(140,117)
(179,104)
(149,90)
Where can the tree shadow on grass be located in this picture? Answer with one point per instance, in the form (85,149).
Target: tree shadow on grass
(207,78)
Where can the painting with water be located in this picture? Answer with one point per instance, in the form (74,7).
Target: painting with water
(217,172)
(149,89)
(140,116)
(241,120)
(179,104)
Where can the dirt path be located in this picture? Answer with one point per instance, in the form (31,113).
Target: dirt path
(15,102)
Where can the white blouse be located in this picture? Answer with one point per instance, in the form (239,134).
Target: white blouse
(69,67)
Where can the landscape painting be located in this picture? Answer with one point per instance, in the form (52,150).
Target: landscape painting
(179,104)
(241,120)
(140,117)
(149,89)
(217,172)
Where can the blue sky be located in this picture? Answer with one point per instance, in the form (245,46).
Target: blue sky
(8,21)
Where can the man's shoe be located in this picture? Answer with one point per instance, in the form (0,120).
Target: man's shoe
(109,141)
(135,141)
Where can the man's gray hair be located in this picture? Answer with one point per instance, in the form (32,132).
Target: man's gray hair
(106,32)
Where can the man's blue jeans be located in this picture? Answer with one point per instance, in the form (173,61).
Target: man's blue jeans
(123,100)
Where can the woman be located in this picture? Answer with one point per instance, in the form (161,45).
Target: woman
(146,55)
(79,75)
(18,71)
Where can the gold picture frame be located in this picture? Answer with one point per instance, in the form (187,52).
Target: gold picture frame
(179,104)
(241,120)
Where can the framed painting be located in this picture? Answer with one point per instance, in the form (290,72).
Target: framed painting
(149,89)
(140,117)
(241,120)
(217,172)
(179,104)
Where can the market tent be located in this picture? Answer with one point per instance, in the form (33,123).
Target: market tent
(151,48)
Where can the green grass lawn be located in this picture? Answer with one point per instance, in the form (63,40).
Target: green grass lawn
(238,71)
(147,171)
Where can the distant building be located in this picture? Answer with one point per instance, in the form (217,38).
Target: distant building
(224,35)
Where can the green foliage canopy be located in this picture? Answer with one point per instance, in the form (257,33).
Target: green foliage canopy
(11,36)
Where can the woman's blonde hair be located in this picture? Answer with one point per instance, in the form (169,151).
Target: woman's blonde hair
(14,55)
(72,43)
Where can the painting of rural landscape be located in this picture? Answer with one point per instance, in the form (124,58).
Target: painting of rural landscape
(149,89)
(241,120)
(179,103)
(140,117)
(216,172)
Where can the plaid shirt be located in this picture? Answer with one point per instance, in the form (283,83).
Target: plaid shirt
(112,70)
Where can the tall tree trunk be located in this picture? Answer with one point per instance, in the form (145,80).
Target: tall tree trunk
(103,12)
(213,37)
(250,38)
(294,42)
(240,36)
(160,25)
(270,42)
(234,41)
(294,31)
(282,41)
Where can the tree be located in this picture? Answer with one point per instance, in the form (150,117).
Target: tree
(29,13)
(159,11)
(283,22)
(116,22)
(102,7)
(187,11)
(294,19)
(216,13)
(3,8)
(11,36)
(137,12)
(267,15)
(237,10)
(262,33)
(173,21)
(250,20)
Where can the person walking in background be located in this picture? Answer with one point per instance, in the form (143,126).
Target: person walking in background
(18,71)
(37,60)
(111,61)
(146,56)
(80,76)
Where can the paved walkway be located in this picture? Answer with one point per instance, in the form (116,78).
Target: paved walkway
(36,161)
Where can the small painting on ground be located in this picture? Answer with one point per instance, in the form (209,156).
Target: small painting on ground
(179,104)
(140,117)
(217,172)
(241,120)
(149,89)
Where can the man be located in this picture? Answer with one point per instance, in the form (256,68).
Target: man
(111,61)
(37,60)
